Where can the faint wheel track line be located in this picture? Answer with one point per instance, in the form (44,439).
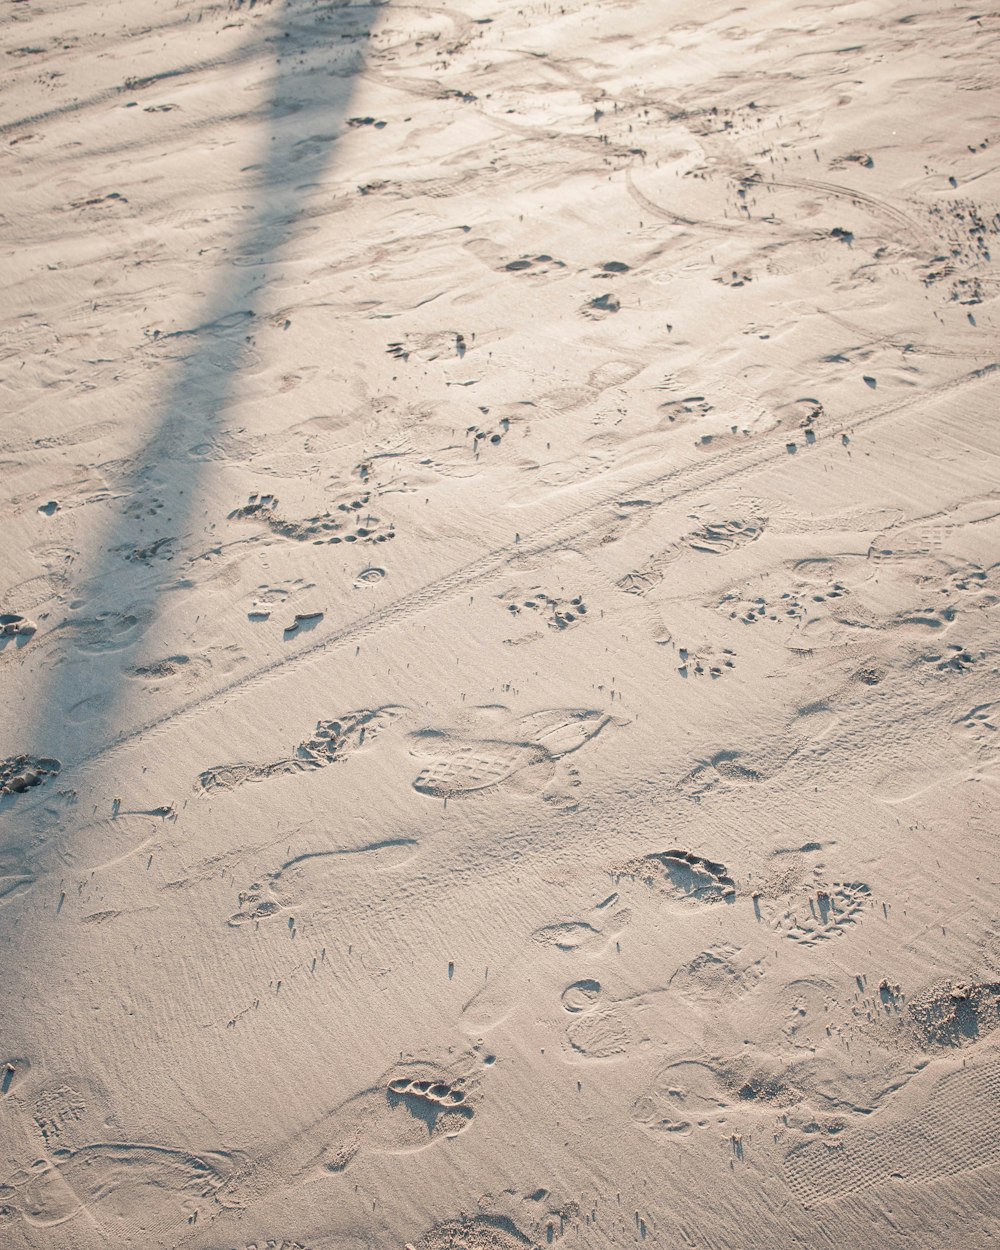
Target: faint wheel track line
(258,48)
(738,461)
(861,199)
(879,208)
(869,337)
(130,87)
(665,214)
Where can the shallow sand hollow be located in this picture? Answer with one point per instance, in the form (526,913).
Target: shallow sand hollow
(500,722)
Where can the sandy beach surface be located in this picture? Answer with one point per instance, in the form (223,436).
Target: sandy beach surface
(499,581)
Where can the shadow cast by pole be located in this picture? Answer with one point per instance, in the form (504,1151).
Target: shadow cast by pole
(318,50)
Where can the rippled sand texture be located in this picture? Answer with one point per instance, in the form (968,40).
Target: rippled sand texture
(499,698)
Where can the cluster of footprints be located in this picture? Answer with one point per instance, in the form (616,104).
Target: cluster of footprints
(679,876)
(522,754)
(353,524)
(454,765)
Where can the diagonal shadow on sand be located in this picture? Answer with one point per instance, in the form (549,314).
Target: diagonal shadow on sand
(317,50)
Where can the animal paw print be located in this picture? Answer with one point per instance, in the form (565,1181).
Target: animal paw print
(692,665)
(734,278)
(790,606)
(557,613)
(353,524)
(481,437)
(981,725)
(534,265)
(427,347)
(830,910)
(954,659)
(690,407)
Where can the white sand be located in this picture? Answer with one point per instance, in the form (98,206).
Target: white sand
(500,517)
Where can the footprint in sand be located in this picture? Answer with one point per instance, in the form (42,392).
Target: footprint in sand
(412,1107)
(542,961)
(111,630)
(716,974)
(20,773)
(522,760)
(115,1179)
(827,913)
(415,1104)
(485,1233)
(938,1126)
(681,875)
(724,768)
(719,537)
(332,741)
(688,1095)
(600,1034)
(293,881)
(477,1232)
(684,1096)
(557,613)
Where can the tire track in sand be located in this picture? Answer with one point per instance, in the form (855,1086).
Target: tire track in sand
(678,483)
